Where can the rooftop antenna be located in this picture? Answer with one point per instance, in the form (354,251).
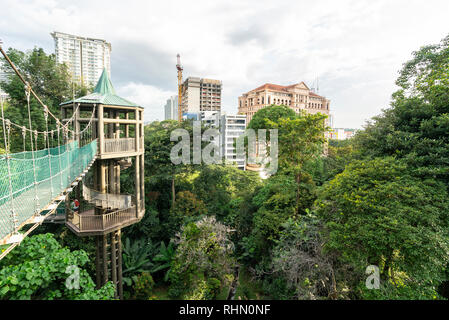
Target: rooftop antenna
(313,86)
(179,68)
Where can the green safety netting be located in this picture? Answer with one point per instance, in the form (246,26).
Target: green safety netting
(53,170)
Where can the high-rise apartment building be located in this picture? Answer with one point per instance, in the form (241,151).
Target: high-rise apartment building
(232,127)
(3,78)
(201,95)
(85,57)
(296,96)
(171,108)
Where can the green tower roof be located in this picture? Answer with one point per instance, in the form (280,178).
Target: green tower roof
(104,93)
(104,84)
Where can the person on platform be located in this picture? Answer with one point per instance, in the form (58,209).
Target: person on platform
(75,205)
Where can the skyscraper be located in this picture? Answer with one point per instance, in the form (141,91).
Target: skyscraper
(171,108)
(201,95)
(86,57)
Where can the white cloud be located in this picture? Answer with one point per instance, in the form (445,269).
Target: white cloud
(151,98)
(355,47)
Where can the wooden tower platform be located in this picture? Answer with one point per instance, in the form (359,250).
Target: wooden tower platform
(118,126)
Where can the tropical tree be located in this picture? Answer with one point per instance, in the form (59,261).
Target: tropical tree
(301,141)
(415,127)
(187,208)
(163,260)
(136,259)
(222,188)
(188,205)
(49,79)
(157,154)
(42,269)
(204,253)
(298,258)
(264,117)
(375,213)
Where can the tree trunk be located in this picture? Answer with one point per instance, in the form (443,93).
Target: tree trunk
(298,180)
(173,192)
(387,267)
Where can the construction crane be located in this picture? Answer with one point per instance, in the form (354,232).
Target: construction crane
(179,68)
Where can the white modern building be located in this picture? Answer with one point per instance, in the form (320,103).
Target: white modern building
(171,108)
(331,120)
(232,127)
(85,57)
(341,133)
(210,118)
(3,78)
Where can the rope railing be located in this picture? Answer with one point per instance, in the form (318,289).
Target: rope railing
(32,179)
(29,91)
(17,190)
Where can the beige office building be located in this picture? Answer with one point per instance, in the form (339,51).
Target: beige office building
(201,95)
(296,96)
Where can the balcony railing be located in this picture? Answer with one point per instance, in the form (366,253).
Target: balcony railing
(105,222)
(107,200)
(119,145)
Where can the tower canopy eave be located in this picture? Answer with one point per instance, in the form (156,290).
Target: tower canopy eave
(103,93)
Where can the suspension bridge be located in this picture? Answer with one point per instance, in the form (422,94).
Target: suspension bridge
(33,183)
(97,136)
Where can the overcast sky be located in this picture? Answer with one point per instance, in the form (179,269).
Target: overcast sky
(355,48)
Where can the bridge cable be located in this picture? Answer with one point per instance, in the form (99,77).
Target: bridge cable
(7,145)
(36,198)
(21,77)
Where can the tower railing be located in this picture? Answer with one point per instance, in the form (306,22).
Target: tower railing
(119,145)
(107,200)
(101,223)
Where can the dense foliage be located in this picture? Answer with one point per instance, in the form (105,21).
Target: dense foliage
(203,262)
(40,268)
(50,80)
(308,231)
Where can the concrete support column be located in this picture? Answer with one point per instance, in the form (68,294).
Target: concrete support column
(142,132)
(137,133)
(111,177)
(98,261)
(77,124)
(95,124)
(119,262)
(142,177)
(117,126)
(101,128)
(111,126)
(105,259)
(113,249)
(102,168)
(137,185)
(117,177)
(127,125)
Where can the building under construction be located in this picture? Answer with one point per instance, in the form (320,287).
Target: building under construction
(201,95)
